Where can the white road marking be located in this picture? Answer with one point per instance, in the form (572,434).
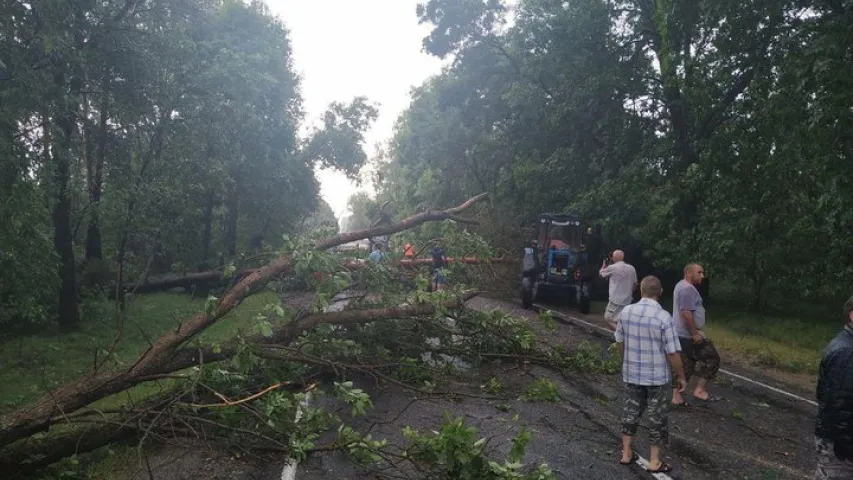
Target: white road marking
(645,464)
(289,470)
(783,392)
(600,329)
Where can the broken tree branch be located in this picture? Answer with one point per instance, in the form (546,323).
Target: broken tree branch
(36,417)
(231,403)
(405,224)
(166,282)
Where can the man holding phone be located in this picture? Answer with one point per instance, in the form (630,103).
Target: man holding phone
(697,352)
(622,280)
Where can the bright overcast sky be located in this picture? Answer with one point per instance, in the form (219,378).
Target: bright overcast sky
(345,48)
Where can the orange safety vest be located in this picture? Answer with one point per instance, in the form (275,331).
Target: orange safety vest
(408,251)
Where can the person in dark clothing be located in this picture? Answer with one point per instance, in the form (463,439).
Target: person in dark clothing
(834,425)
(438,262)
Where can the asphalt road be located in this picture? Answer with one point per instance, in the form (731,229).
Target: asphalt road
(752,433)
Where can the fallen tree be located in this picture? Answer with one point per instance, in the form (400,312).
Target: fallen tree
(157,283)
(128,424)
(167,354)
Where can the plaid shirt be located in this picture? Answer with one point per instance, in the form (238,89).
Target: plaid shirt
(647,331)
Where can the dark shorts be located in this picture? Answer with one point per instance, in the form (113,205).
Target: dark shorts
(700,359)
(438,276)
(655,400)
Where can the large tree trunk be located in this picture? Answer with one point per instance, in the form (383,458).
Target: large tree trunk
(94,171)
(63,235)
(156,283)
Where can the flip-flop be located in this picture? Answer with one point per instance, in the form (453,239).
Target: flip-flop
(634,458)
(663,468)
(683,404)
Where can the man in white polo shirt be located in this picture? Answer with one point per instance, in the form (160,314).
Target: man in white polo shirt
(623,279)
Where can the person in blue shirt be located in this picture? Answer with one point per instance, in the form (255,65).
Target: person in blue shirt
(377,255)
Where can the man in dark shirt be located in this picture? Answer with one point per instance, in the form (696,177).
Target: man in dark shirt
(834,426)
(438,262)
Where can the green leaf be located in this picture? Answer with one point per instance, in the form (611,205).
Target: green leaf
(210,305)
(229,271)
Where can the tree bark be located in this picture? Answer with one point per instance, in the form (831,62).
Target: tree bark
(158,283)
(95,167)
(63,234)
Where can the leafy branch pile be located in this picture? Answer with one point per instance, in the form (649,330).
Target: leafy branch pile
(247,392)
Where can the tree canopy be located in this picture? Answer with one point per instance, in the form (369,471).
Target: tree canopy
(706,131)
(145,135)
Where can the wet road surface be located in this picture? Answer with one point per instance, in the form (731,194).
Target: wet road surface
(752,433)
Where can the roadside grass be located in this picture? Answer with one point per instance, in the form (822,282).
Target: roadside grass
(32,365)
(786,343)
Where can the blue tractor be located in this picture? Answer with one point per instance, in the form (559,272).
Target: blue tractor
(560,261)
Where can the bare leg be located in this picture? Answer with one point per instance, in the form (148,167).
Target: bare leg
(626,448)
(706,367)
(677,398)
(654,457)
(700,392)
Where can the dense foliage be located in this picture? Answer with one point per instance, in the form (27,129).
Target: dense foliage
(692,130)
(143,135)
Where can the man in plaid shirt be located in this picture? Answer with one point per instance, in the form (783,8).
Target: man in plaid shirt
(649,347)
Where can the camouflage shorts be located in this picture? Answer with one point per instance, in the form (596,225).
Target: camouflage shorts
(655,399)
(830,467)
(699,359)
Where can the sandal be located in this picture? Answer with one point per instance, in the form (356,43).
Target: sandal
(683,404)
(634,458)
(663,468)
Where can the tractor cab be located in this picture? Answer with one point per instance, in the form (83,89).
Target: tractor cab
(562,246)
(560,257)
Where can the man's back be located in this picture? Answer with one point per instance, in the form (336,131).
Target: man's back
(622,277)
(648,334)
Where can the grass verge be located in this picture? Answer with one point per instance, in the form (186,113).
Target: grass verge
(786,343)
(35,364)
